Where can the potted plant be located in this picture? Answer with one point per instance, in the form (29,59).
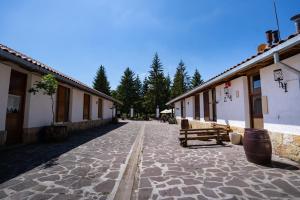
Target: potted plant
(48,86)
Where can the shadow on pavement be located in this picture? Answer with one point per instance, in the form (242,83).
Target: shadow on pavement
(16,161)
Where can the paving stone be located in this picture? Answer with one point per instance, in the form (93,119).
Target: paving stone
(41,197)
(105,187)
(145,193)
(50,178)
(231,190)
(2,195)
(190,190)
(174,182)
(144,183)
(209,193)
(170,192)
(252,193)
(272,193)
(286,187)
(191,181)
(236,182)
(24,185)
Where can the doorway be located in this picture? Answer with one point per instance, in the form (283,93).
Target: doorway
(257,120)
(15,107)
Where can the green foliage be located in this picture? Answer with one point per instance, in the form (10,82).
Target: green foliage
(180,81)
(127,90)
(48,85)
(157,94)
(100,81)
(196,80)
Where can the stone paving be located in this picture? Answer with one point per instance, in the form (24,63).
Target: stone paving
(87,166)
(169,171)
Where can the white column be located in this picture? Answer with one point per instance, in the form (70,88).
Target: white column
(131,112)
(157,112)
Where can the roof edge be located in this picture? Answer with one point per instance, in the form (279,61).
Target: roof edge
(286,44)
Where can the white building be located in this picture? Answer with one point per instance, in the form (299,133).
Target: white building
(23,114)
(250,95)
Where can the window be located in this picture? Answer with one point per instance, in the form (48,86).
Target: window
(86,106)
(62,104)
(100,108)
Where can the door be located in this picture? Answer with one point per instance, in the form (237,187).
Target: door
(197,107)
(62,102)
(15,107)
(206,105)
(182,109)
(214,105)
(86,106)
(100,108)
(257,120)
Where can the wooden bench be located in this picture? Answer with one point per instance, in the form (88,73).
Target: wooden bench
(217,132)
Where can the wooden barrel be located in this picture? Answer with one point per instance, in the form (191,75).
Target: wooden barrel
(257,146)
(184,124)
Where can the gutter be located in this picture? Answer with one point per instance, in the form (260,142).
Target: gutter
(287,44)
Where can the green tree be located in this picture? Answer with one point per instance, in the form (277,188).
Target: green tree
(100,81)
(196,80)
(126,91)
(180,81)
(156,81)
(139,97)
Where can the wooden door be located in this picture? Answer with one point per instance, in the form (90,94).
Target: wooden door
(62,104)
(15,107)
(206,105)
(197,107)
(86,106)
(182,109)
(257,120)
(214,105)
(100,108)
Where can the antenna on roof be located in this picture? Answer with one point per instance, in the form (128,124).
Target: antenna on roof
(277,22)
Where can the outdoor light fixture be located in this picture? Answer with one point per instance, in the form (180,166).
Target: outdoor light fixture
(278,76)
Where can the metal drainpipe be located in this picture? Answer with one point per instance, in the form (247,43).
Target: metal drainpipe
(288,67)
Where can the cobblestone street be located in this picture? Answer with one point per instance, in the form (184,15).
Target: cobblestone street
(86,166)
(91,164)
(169,171)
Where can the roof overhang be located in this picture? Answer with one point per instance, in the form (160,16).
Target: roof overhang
(245,66)
(38,68)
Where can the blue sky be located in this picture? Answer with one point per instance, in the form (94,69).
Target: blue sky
(75,37)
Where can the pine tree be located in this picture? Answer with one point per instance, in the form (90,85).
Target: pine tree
(196,80)
(126,91)
(138,93)
(100,82)
(180,81)
(156,81)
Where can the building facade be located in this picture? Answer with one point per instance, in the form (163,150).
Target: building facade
(261,92)
(23,114)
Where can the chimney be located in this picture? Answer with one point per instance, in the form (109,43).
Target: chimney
(296,19)
(269,37)
(275,36)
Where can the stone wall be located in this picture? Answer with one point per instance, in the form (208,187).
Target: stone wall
(31,135)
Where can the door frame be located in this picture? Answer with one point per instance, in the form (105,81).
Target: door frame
(22,104)
(250,95)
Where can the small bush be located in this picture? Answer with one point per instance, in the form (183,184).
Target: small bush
(172,120)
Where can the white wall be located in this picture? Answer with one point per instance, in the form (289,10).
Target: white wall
(107,111)
(283,107)
(201,107)
(233,112)
(4,88)
(189,108)
(76,105)
(177,109)
(39,107)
